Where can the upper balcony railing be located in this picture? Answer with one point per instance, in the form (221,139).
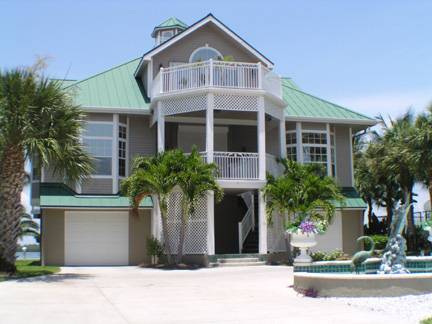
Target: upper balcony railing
(216,74)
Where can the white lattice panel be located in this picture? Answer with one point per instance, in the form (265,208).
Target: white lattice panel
(181,105)
(276,235)
(235,102)
(196,235)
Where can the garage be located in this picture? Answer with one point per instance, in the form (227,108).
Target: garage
(96,238)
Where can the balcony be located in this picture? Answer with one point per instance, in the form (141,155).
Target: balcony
(216,74)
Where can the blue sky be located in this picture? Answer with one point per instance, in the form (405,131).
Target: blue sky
(371,56)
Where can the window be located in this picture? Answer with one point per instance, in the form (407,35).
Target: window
(315,149)
(98,139)
(165,35)
(204,54)
(291,144)
(122,150)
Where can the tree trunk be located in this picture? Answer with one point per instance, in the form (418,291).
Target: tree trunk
(369,214)
(287,241)
(430,191)
(167,241)
(411,238)
(389,211)
(183,228)
(11,186)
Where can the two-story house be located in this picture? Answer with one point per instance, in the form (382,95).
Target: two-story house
(199,85)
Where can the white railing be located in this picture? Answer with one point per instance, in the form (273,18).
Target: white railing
(237,165)
(247,224)
(273,166)
(219,74)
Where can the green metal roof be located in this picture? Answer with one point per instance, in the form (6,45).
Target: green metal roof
(114,88)
(59,195)
(304,105)
(171,22)
(352,199)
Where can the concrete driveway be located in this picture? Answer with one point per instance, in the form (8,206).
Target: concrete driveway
(132,295)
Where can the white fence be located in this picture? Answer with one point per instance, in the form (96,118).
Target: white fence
(217,74)
(237,165)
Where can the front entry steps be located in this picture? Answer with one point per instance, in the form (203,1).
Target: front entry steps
(237,260)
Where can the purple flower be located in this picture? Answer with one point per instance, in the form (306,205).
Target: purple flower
(307,227)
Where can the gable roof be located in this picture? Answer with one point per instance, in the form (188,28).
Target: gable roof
(302,105)
(207,19)
(58,195)
(116,88)
(172,22)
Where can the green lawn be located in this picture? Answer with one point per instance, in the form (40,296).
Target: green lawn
(427,321)
(30,268)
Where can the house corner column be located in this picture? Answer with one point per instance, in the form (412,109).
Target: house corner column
(261,140)
(282,138)
(160,128)
(299,143)
(262,224)
(115,149)
(210,224)
(209,128)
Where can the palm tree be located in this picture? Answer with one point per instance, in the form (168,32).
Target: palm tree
(421,149)
(37,118)
(28,227)
(155,176)
(195,180)
(302,191)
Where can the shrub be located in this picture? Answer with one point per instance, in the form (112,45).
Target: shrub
(380,242)
(154,247)
(328,256)
(427,321)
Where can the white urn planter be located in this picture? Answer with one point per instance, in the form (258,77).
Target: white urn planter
(303,241)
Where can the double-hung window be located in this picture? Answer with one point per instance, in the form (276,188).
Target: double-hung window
(98,140)
(291,145)
(122,149)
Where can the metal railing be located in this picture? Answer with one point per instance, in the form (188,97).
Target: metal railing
(237,165)
(247,224)
(219,74)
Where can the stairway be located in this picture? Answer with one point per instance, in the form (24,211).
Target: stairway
(251,243)
(238,260)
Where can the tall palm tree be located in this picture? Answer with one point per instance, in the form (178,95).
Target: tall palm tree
(421,149)
(37,118)
(195,180)
(397,139)
(302,191)
(155,176)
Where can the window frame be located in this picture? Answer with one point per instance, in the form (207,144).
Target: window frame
(91,137)
(200,48)
(125,141)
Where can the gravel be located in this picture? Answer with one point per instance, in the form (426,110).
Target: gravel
(410,308)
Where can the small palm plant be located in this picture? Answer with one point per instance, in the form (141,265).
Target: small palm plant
(195,180)
(28,227)
(304,195)
(154,176)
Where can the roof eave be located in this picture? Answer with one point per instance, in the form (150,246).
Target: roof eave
(359,122)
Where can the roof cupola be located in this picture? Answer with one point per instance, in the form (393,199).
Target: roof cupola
(167,29)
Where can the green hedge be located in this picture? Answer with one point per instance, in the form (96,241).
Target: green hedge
(380,242)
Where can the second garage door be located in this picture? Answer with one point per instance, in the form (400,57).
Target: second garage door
(96,238)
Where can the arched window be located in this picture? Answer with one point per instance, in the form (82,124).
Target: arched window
(204,54)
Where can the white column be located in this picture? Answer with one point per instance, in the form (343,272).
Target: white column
(115,148)
(209,128)
(299,146)
(160,128)
(210,224)
(262,224)
(329,164)
(261,139)
(282,139)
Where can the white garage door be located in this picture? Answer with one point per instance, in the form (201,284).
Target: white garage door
(96,238)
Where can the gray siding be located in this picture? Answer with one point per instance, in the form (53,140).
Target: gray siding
(142,138)
(343,156)
(181,51)
(97,186)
